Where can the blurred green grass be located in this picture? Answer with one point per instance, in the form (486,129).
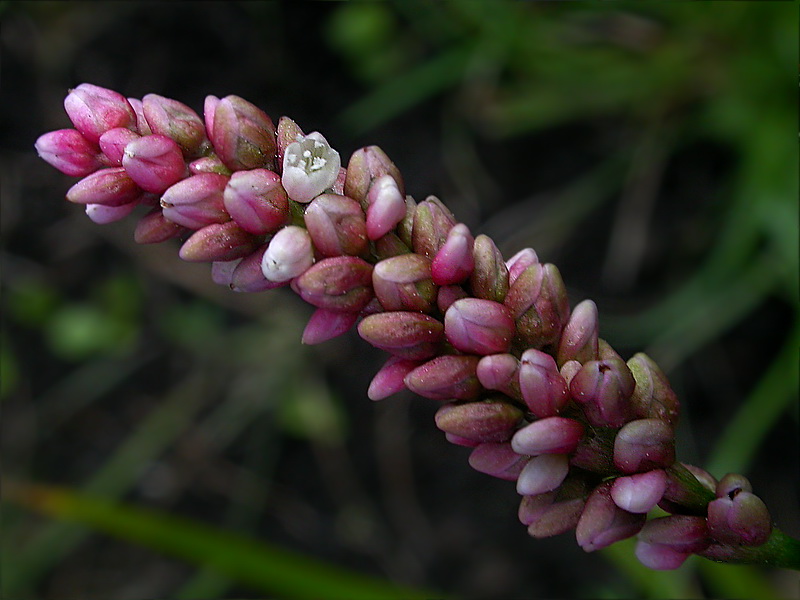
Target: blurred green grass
(662,77)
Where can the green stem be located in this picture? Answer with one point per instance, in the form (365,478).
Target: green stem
(780,550)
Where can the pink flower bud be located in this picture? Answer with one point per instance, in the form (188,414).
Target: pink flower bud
(94,110)
(208,164)
(365,166)
(640,492)
(740,517)
(286,133)
(659,557)
(569,370)
(339,283)
(154,162)
(243,135)
(69,152)
(176,121)
(603,388)
(248,276)
(153,228)
(448,294)
(602,522)
(409,335)
(336,225)
(326,324)
(552,435)
(484,421)
(222,271)
(461,441)
(478,326)
(489,279)
(102,214)
(498,460)
(652,397)
(389,379)
(731,484)
(542,474)
(404,283)
(112,187)
(579,338)
(386,207)
(218,242)
(643,445)
(209,108)
(676,496)
(432,224)
(113,143)
(447,377)
(541,385)
(555,512)
(196,201)
(390,245)
(142,128)
(256,200)
(681,533)
(289,254)
(500,372)
(454,261)
(310,166)
(538,302)
(520,262)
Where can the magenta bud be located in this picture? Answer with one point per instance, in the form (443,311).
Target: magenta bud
(677,497)
(113,143)
(497,459)
(461,441)
(112,187)
(94,110)
(209,108)
(196,201)
(289,254)
(365,166)
(454,261)
(483,421)
(643,445)
(142,128)
(326,324)
(432,224)
(542,474)
(404,283)
(569,370)
(447,377)
(389,379)
(310,166)
(287,132)
(386,206)
(602,388)
(339,283)
(69,152)
(731,484)
(208,164)
(551,435)
(448,294)
(409,335)
(538,302)
(658,557)
(640,492)
(548,518)
(222,271)
(336,225)
(248,276)
(489,279)
(390,245)
(256,200)
(153,228)
(602,522)
(154,162)
(579,337)
(476,326)
(405,229)
(102,214)
(680,533)
(500,372)
(541,385)
(740,517)
(520,262)
(242,134)
(176,121)
(218,242)
(652,397)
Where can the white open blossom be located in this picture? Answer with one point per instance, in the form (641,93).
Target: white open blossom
(288,255)
(310,166)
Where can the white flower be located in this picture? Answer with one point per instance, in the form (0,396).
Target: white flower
(310,166)
(288,255)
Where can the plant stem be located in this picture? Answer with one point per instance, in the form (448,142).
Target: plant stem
(780,550)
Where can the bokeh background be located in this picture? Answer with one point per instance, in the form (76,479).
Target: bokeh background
(648,149)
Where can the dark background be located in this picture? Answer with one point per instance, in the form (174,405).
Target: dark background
(648,149)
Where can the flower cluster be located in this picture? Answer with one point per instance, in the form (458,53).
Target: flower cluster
(523,381)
